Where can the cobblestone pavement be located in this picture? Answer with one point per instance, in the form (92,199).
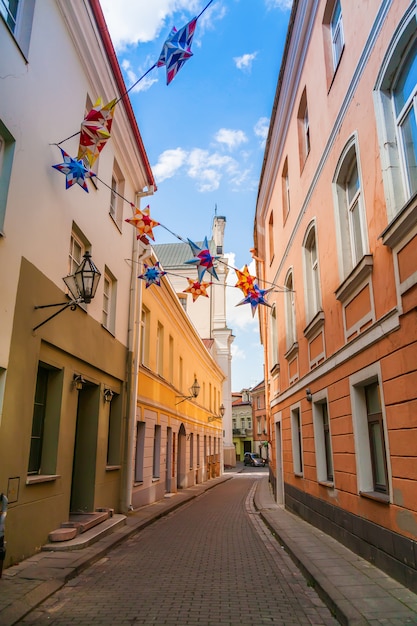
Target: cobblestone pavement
(211,562)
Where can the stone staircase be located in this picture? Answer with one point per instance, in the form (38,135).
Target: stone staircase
(83,529)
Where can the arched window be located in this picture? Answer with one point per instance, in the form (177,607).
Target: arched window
(350,211)
(290,310)
(396,114)
(311,274)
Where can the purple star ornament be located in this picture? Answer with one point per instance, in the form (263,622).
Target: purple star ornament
(255,296)
(202,259)
(152,275)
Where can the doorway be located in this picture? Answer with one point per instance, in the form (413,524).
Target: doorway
(181,454)
(280,474)
(85,450)
(168,461)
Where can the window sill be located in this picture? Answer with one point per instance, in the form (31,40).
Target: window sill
(292,352)
(112,468)
(111,332)
(156,479)
(314,325)
(326,483)
(400,226)
(356,278)
(299,474)
(138,483)
(383,498)
(41,478)
(275,369)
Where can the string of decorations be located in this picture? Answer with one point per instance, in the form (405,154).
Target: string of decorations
(96,131)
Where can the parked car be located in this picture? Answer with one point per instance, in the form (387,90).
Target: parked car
(252,458)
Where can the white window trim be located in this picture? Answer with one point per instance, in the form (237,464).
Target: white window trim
(290,319)
(345,249)
(311,287)
(392,171)
(297,444)
(357,382)
(318,399)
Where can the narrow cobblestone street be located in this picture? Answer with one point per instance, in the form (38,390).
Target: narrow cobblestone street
(213,561)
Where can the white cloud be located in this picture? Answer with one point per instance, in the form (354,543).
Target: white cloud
(131,22)
(232,138)
(261,129)
(284,5)
(169,163)
(132,77)
(245,61)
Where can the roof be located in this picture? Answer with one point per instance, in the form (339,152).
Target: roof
(176,254)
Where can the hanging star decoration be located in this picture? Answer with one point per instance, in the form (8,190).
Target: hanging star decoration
(95,131)
(202,259)
(143,222)
(74,170)
(254,297)
(245,281)
(197,289)
(152,274)
(177,49)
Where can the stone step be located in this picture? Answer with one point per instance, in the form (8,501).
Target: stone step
(82,540)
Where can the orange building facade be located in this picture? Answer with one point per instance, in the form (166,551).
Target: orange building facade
(336,233)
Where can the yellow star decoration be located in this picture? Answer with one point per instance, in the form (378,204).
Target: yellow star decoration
(245,281)
(196,289)
(143,222)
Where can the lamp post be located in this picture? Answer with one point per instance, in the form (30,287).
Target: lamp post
(82,285)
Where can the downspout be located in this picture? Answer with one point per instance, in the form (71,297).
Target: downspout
(133,361)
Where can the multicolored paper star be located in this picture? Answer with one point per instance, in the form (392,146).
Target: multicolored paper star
(254,297)
(152,274)
(95,131)
(245,282)
(75,171)
(203,259)
(197,289)
(177,49)
(143,222)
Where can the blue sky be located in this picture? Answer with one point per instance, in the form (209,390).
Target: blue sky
(205,132)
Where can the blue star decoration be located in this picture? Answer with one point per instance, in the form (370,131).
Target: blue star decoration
(256,296)
(203,259)
(152,275)
(74,170)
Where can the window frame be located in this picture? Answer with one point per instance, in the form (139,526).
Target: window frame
(116,196)
(297,440)
(397,195)
(323,440)
(367,486)
(312,285)
(335,29)
(23,20)
(8,144)
(345,231)
(110,298)
(290,318)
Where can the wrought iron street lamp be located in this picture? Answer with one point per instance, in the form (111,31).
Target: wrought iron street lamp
(82,285)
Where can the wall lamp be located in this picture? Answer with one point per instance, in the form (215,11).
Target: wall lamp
(194,391)
(309,395)
(108,395)
(82,285)
(78,382)
(211,418)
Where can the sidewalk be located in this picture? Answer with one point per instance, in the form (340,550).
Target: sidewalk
(356,591)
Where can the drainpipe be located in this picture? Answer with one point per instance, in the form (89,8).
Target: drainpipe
(135,314)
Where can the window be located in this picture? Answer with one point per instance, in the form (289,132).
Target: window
(376,437)
(297,448)
(114,431)
(271,236)
(45,421)
(259,426)
(7,145)
(156,468)
(303,129)
(191,451)
(160,349)
(18,15)
(336,31)
(311,274)
(144,336)
(396,115)
(285,181)
(116,196)
(171,360)
(370,433)
(183,300)
(322,440)
(290,310)
(109,300)
(140,451)
(350,212)
(274,337)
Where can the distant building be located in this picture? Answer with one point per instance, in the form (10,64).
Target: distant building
(336,232)
(260,434)
(208,314)
(242,423)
